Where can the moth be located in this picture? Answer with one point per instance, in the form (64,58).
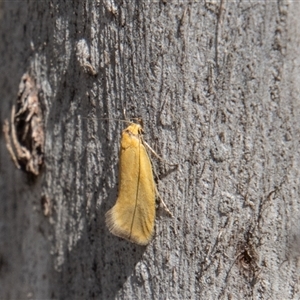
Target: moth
(133,215)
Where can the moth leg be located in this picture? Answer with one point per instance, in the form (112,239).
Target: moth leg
(163,203)
(159,157)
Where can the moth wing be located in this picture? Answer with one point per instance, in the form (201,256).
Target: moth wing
(133,215)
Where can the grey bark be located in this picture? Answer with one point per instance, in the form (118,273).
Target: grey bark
(217,85)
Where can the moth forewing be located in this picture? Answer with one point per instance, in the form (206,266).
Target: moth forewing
(133,215)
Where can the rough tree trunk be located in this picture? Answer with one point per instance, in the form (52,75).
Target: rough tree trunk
(217,85)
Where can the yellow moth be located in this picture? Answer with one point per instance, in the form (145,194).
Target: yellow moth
(133,215)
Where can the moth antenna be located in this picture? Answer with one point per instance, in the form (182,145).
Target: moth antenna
(163,202)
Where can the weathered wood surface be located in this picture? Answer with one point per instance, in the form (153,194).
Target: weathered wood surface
(217,85)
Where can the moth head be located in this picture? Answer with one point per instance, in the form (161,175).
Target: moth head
(134,129)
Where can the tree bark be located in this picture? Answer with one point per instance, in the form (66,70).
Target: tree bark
(217,85)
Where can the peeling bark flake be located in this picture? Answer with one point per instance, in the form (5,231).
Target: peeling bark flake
(24,134)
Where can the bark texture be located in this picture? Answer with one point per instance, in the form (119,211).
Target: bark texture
(217,84)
